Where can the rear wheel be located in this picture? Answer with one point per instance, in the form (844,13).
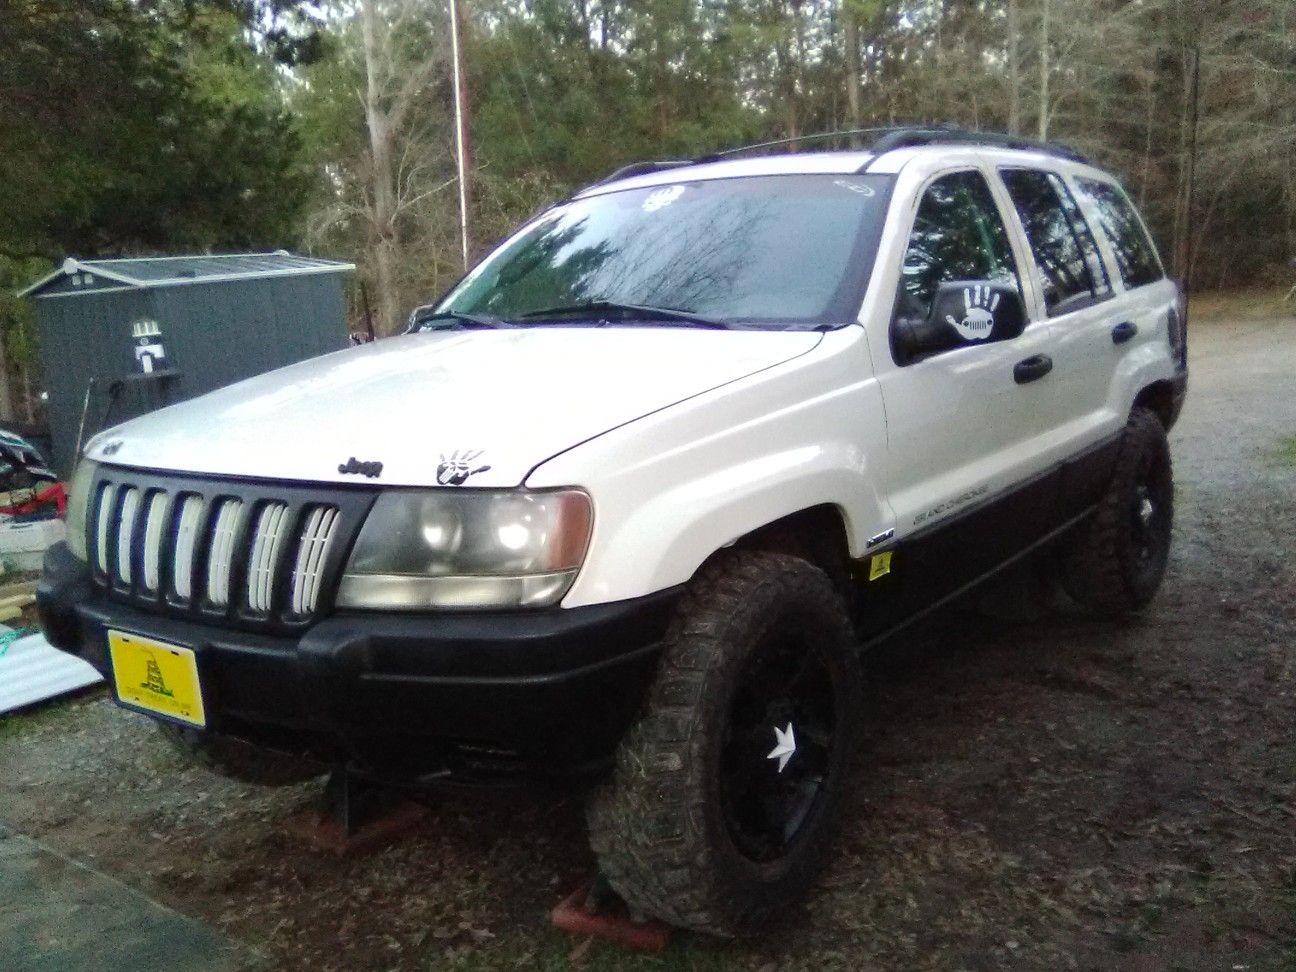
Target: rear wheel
(1115,562)
(726,795)
(238,760)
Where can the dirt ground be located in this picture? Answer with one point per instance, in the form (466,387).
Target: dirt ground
(1054,794)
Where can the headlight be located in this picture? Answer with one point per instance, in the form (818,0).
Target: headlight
(455,548)
(78,500)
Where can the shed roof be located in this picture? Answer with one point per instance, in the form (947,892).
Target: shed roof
(171,271)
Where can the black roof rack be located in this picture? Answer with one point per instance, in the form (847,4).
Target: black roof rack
(643,168)
(797,140)
(879,140)
(914,136)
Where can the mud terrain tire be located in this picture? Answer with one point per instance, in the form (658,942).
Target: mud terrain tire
(701,825)
(1115,561)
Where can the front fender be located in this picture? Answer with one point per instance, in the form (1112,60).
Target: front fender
(674,487)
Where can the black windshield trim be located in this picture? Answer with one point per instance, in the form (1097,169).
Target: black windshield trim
(459,317)
(656,314)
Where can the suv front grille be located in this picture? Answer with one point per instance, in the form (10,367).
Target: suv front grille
(259,554)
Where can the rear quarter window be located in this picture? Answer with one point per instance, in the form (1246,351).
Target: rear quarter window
(1136,257)
(1061,242)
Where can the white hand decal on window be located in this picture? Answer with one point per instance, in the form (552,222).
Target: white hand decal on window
(978,315)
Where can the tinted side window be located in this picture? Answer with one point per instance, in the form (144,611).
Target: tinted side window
(1135,255)
(1060,240)
(957,235)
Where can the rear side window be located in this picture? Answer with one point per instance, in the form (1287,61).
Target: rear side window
(1063,247)
(957,235)
(1136,257)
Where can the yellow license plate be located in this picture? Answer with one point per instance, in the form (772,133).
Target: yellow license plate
(156,676)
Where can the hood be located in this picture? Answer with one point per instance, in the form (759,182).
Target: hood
(479,408)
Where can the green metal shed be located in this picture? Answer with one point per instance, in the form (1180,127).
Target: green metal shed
(122,337)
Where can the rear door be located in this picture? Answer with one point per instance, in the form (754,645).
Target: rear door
(1151,301)
(1088,318)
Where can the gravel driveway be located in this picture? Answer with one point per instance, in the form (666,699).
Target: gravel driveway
(1055,793)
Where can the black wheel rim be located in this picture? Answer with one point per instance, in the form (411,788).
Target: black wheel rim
(778,745)
(1149,512)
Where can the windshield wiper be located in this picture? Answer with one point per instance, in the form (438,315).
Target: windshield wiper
(475,320)
(596,307)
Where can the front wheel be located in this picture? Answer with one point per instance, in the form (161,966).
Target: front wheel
(726,794)
(1115,561)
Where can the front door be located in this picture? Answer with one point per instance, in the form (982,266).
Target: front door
(964,472)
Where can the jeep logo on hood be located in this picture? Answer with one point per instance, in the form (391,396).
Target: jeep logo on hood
(370,469)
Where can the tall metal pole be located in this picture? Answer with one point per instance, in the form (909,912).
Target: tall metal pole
(461,129)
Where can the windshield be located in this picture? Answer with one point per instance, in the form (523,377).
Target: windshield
(784,250)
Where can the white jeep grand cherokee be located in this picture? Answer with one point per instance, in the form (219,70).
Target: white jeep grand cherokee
(632,497)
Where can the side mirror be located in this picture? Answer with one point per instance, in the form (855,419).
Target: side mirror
(962,312)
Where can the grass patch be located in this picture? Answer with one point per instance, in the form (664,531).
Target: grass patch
(1284,454)
(44,715)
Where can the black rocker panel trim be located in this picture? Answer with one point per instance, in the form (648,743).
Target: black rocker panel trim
(941,562)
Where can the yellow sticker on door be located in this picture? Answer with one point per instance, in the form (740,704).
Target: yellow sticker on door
(879,565)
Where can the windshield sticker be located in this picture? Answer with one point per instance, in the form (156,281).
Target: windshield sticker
(978,313)
(859,187)
(662,198)
(455,468)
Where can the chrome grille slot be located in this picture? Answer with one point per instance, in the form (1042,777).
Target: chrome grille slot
(154,523)
(130,501)
(268,539)
(186,541)
(258,555)
(312,551)
(220,559)
(103,524)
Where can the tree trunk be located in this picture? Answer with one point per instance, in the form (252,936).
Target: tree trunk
(1288,140)
(852,69)
(1180,226)
(1014,73)
(1149,123)
(382,204)
(6,385)
(1044,72)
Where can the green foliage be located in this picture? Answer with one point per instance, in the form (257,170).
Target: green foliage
(126,130)
(130,127)
(168,125)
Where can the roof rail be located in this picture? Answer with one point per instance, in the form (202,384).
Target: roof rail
(642,168)
(796,140)
(879,140)
(914,136)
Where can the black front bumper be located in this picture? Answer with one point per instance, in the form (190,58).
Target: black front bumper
(484,695)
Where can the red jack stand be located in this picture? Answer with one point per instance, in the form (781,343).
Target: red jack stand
(594,909)
(355,816)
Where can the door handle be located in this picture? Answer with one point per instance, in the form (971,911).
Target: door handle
(1032,368)
(1123,331)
